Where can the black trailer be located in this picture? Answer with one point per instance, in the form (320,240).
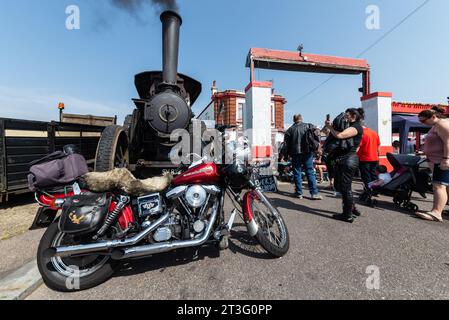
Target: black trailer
(22,141)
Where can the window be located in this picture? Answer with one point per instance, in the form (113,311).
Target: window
(240,107)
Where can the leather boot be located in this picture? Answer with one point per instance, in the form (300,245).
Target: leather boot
(342,217)
(346,216)
(356,212)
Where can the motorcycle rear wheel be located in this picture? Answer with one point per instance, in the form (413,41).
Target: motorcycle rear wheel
(272,234)
(71,274)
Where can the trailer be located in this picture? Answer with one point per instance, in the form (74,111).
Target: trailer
(88,119)
(23,141)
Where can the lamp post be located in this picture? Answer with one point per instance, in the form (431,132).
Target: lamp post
(61,108)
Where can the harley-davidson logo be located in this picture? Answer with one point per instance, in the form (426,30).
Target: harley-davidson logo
(149,206)
(74,218)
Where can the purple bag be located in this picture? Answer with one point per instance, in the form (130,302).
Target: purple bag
(56,169)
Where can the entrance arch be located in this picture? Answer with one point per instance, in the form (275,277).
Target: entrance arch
(257,120)
(305,62)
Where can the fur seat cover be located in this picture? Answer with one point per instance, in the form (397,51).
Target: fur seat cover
(122,179)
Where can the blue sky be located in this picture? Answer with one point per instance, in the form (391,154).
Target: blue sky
(92,69)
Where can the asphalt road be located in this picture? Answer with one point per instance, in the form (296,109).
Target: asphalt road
(328,259)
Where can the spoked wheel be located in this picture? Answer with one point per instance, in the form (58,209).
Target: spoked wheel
(112,150)
(272,233)
(413,208)
(71,273)
(397,201)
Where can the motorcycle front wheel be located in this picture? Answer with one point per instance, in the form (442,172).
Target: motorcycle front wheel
(71,273)
(272,232)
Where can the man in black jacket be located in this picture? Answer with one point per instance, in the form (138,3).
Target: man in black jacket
(294,140)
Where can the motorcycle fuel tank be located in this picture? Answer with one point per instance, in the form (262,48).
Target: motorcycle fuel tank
(203,174)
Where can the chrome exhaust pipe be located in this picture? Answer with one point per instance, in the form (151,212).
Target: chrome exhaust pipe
(146,250)
(66,251)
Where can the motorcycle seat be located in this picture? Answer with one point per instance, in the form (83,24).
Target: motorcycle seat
(122,179)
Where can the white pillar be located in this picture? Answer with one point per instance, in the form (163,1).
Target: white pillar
(378,117)
(257,118)
(378,112)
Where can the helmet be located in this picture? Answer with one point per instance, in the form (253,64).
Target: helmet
(71,149)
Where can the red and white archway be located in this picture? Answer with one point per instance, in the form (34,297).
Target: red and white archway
(257,121)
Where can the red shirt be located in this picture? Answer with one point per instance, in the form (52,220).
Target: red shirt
(369,147)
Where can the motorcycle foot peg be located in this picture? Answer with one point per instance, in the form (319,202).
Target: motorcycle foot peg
(49,253)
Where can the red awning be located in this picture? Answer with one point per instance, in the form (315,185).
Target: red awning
(293,61)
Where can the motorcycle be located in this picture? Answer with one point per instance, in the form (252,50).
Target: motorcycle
(94,232)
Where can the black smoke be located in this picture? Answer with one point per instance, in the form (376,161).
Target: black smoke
(134,6)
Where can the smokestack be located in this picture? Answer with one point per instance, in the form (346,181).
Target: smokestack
(171,23)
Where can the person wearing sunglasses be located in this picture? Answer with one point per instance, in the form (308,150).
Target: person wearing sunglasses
(436,148)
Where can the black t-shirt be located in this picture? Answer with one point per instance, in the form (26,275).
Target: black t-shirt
(358,137)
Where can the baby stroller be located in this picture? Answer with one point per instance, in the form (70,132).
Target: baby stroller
(284,164)
(285,171)
(407,178)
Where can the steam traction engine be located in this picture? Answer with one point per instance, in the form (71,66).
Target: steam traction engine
(164,106)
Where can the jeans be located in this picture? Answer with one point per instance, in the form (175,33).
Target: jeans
(368,172)
(298,162)
(330,163)
(345,168)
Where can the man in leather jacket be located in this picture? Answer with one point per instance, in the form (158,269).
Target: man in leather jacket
(301,158)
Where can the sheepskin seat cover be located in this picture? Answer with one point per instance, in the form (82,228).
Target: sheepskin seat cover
(122,179)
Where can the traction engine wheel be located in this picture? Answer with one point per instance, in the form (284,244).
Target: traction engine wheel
(112,149)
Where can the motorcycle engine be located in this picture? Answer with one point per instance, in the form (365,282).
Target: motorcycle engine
(169,230)
(196,196)
(189,213)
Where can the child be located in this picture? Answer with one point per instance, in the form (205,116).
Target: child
(320,167)
(384,178)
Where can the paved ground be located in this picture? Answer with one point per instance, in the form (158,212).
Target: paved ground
(18,246)
(328,259)
(17,215)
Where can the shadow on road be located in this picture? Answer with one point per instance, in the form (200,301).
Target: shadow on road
(17,200)
(164,260)
(240,242)
(287,204)
(384,204)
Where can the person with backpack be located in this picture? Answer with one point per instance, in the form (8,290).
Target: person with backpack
(302,140)
(347,141)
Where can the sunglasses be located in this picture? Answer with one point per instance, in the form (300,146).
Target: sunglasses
(423,120)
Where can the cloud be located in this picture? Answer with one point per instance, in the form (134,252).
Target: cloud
(40,104)
(133,6)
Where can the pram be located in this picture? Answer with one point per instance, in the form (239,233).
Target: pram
(408,177)
(285,171)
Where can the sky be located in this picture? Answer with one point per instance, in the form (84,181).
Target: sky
(92,69)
